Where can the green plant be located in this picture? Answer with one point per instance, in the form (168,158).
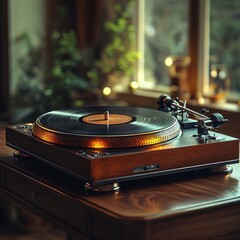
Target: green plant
(29,87)
(119,54)
(50,70)
(63,74)
(48,77)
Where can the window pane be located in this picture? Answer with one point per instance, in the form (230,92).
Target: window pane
(165,33)
(224,46)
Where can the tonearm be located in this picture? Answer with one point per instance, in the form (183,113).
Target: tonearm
(178,108)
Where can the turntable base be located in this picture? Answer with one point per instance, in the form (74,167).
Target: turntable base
(98,167)
(106,145)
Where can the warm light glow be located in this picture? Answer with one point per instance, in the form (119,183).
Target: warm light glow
(107,91)
(201,100)
(214,73)
(98,144)
(168,61)
(222,74)
(134,85)
(150,141)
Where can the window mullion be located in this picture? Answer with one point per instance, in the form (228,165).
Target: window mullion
(203,48)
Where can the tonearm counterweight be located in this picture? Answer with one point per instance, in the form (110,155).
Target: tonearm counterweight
(203,123)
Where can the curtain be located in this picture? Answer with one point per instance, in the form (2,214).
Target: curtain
(4,65)
(89,18)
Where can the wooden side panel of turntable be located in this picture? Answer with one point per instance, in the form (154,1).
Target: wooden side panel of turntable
(56,156)
(168,159)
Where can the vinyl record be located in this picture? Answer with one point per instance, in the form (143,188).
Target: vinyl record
(106,127)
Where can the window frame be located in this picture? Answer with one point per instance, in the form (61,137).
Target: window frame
(199,43)
(204,44)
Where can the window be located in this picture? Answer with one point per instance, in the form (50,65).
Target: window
(224,48)
(163,28)
(164,31)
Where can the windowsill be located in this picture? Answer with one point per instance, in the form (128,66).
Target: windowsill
(221,106)
(151,96)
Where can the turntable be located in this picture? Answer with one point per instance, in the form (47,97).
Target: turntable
(105,145)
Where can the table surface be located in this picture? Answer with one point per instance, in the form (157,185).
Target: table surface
(196,201)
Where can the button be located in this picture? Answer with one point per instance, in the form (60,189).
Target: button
(81,152)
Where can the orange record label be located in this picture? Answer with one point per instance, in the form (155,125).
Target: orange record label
(107,119)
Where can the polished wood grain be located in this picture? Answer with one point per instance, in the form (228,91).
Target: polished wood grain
(4,151)
(194,205)
(181,154)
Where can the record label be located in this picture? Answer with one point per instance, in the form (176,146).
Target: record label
(107,119)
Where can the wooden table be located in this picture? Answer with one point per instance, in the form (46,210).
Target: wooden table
(185,206)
